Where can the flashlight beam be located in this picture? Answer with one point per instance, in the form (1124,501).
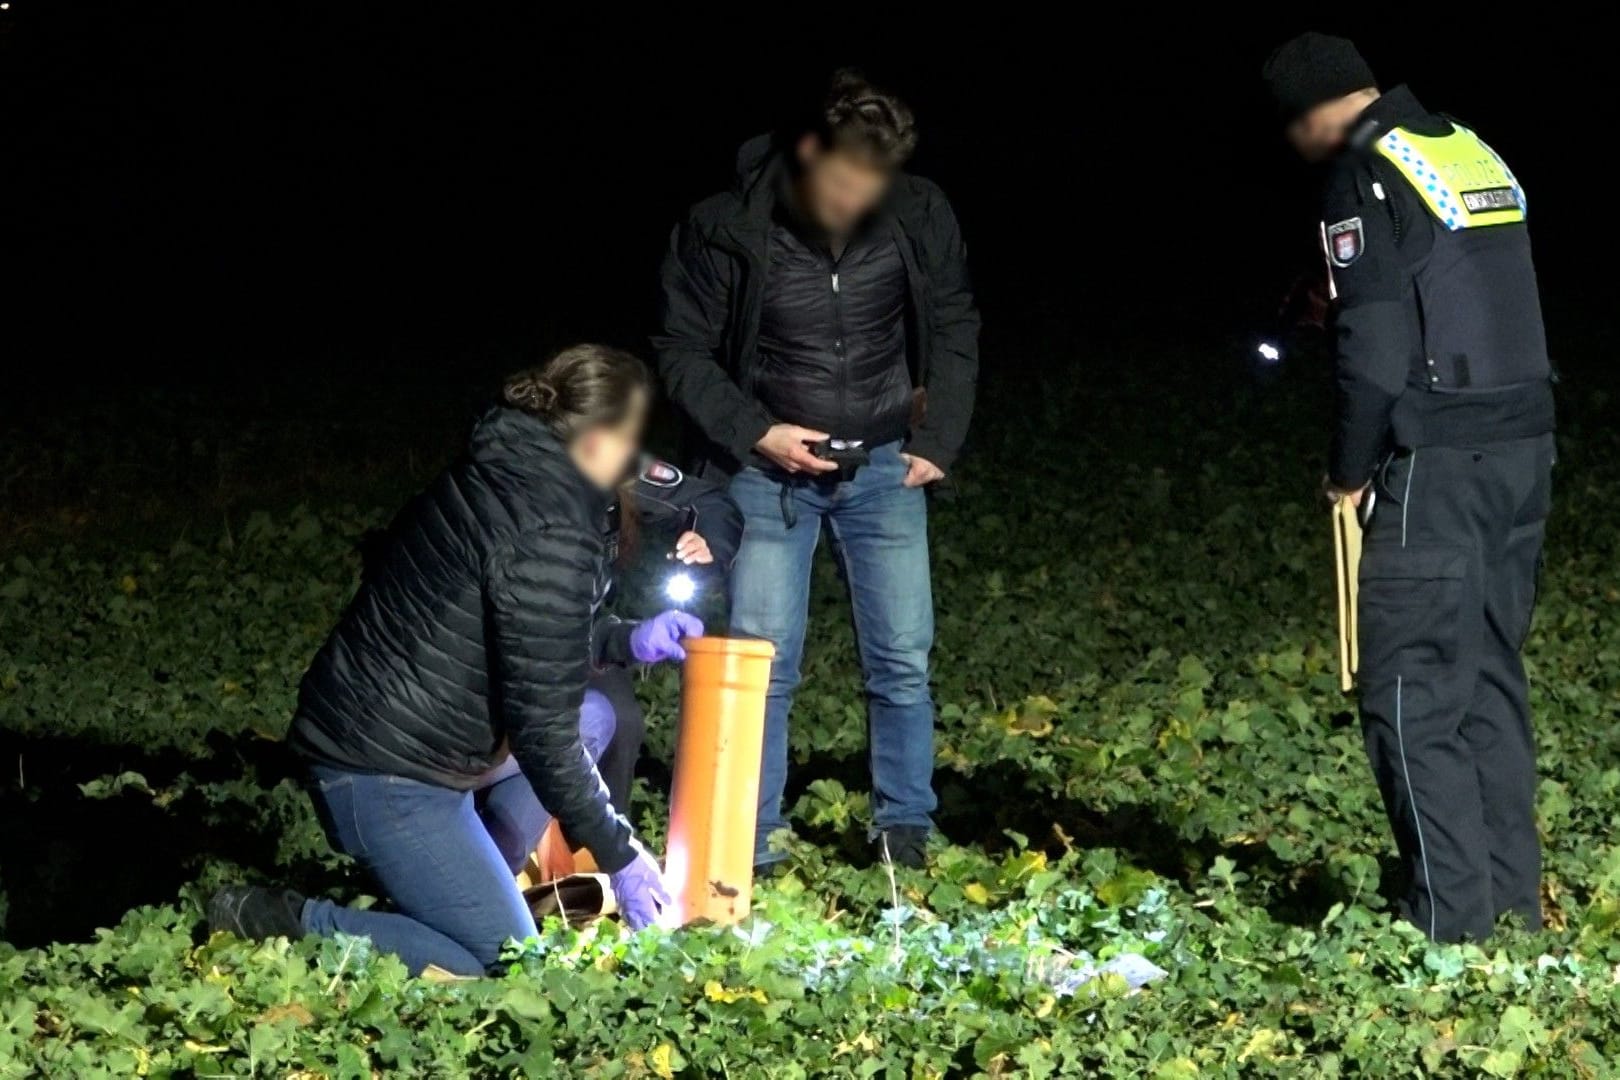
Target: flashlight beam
(680,588)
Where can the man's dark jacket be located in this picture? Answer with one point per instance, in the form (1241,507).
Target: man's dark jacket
(712,293)
(472,634)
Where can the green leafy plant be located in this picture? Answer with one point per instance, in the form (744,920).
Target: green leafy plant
(1141,750)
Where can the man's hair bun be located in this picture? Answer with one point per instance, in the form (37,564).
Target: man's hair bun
(857,116)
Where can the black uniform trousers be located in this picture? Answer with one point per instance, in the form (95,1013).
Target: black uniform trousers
(617,765)
(1448,584)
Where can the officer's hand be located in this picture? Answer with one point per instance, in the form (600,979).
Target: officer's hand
(1335,494)
(785,444)
(920,471)
(692,549)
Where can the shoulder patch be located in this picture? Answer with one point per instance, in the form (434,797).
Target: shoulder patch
(1344,241)
(660,473)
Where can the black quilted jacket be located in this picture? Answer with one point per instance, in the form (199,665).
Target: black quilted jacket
(473,633)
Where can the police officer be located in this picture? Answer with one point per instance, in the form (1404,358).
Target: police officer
(1444,442)
(660,501)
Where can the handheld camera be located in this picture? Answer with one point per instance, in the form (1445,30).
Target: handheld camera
(848,454)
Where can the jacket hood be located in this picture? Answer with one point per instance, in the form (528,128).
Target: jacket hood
(507,434)
(759,163)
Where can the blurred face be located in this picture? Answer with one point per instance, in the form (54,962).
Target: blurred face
(604,453)
(1320,133)
(837,188)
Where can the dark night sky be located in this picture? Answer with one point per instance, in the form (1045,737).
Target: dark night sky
(207,193)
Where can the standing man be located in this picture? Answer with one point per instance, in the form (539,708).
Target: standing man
(1444,437)
(818,325)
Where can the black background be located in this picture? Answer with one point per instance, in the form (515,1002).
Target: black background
(254,254)
(214,193)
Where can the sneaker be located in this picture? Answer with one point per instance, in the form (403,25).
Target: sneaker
(254,914)
(903,845)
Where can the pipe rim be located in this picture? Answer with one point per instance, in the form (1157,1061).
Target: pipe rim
(729,646)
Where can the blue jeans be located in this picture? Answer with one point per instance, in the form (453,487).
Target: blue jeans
(880,533)
(445,858)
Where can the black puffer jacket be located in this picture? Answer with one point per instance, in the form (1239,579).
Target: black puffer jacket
(712,297)
(473,633)
(832,336)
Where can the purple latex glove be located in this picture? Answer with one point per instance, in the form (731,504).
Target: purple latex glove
(659,638)
(640,890)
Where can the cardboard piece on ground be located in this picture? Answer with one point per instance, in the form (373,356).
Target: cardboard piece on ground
(578,898)
(1067,972)
(557,880)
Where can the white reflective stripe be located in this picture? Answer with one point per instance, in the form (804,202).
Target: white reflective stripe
(1417,822)
(1327,257)
(1518,188)
(1400,734)
(1406,499)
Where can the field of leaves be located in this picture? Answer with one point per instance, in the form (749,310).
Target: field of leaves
(1142,749)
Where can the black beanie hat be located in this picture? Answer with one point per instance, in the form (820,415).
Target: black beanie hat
(1312,68)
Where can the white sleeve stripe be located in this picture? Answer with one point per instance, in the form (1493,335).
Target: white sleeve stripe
(1327,257)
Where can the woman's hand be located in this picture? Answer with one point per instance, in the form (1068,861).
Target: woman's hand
(640,890)
(659,638)
(692,549)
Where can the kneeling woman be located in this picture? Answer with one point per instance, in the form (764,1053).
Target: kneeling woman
(468,644)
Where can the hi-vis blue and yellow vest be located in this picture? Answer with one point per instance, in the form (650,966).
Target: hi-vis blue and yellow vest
(1477,304)
(1464,183)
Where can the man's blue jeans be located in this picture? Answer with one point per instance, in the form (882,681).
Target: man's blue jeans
(445,858)
(880,533)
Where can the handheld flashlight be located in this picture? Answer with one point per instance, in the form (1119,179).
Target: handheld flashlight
(688,525)
(1269,352)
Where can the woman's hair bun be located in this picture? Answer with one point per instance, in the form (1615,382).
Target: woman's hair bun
(579,387)
(532,394)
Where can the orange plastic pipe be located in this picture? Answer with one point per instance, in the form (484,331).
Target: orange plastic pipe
(709,862)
